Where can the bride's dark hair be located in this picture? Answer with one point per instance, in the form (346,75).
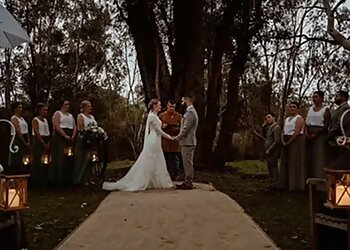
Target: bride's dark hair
(152,103)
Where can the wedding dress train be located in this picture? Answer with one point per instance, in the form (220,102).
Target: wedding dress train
(149,171)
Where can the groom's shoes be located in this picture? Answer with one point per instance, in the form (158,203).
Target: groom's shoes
(184,186)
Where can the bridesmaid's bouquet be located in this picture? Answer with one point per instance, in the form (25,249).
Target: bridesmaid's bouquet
(93,134)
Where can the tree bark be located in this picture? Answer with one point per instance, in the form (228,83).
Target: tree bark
(232,112)
(143,27)
(188,61)
(332,31)
(188,69)
(221,40)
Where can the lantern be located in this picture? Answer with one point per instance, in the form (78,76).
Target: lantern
(27,159)
(68,150)
(45,159)
(13,192)
(338,188)
(94,156)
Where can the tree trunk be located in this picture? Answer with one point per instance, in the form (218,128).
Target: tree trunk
(143,27)
(249,11)
(188,67)
(205,149)
(232,111)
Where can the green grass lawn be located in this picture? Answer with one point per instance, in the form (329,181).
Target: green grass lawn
(249,167)
(54,213)
(119,164)
(282,215)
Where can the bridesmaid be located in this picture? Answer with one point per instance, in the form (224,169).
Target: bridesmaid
(22,140)
(61,169)
(82,168)
(41,141)
(317,122)
(292,171)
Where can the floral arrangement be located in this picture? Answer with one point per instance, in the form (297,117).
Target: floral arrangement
(93,134)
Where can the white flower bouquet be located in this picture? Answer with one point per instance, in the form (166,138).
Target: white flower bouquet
(93,134)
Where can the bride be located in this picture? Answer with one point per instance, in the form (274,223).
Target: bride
(149,171)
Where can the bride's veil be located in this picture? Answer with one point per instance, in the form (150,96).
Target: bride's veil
(146,129)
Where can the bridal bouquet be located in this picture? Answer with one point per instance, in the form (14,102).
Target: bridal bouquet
(93,134)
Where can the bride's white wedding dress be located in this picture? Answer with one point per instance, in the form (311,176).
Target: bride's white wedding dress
(149,171)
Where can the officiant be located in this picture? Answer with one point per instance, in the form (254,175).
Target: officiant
(171,122)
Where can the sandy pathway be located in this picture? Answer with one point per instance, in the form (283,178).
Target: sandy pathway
(152,220)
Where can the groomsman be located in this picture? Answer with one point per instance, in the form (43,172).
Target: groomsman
(340,155)
(171,122)
(188,141)
(272,146)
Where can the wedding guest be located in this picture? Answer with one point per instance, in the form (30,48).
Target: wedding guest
(41,148)
(22,141)
(171,122)
(61,170)
(317,121)
(292,171)
(272,146)
(339,154)
(82,168)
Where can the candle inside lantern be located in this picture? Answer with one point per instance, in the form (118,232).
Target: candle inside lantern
(26,160)
(342,197)
(13,198)
(45,159)
(70,151)
(94,157)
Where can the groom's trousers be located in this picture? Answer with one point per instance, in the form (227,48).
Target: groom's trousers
(187,153)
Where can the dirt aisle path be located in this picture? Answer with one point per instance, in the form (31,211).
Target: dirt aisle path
(169,219)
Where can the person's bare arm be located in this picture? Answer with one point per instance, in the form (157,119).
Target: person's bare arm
(75,129)
(19,134)
(37,135)
(80,122)
(327,119)
(282,136)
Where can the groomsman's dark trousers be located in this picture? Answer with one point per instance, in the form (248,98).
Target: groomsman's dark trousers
(272,166)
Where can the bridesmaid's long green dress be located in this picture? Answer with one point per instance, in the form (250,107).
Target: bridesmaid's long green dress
(61,168)
(82,166)
(40,165)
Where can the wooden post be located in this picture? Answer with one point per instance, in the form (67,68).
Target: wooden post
(313,228)
(18,230)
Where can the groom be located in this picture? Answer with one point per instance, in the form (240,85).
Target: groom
(188,141)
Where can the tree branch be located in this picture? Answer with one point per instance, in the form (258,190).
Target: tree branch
(337,5)
(335,34)
(306,37)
